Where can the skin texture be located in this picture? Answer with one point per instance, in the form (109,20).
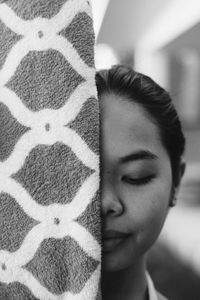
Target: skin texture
(135,194)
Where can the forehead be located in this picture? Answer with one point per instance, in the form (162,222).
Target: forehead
(127,127)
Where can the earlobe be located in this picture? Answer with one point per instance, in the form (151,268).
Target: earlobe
(181,172)
(182,169)
(173,200)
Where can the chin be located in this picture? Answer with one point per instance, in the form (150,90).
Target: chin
(111,262)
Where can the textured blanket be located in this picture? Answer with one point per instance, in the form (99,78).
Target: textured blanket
(49,152)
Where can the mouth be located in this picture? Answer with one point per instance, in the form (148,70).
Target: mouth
(113,239)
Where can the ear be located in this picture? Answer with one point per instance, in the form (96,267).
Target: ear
(176,185)
(182,169)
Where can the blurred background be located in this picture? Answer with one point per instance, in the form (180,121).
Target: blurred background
(162,40)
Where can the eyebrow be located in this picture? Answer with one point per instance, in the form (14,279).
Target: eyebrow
(139,155)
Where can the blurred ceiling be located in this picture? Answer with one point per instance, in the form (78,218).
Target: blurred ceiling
(124,24)
(126,21)
(188,40)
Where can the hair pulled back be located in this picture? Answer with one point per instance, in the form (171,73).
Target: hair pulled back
(141,89)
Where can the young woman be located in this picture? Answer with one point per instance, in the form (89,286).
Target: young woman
(142,147)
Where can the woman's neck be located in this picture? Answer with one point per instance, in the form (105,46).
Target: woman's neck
(127,284)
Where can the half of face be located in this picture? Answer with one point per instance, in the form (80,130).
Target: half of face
(136,182)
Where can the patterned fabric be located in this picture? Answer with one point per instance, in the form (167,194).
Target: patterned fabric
(49,152)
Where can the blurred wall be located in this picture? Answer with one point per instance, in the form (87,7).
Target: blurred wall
(184,82)
(126,21)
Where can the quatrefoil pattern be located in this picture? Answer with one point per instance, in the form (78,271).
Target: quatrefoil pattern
(49,152)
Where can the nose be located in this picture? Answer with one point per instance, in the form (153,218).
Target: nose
(111,204)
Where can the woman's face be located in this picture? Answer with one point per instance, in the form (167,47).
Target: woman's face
(136,182)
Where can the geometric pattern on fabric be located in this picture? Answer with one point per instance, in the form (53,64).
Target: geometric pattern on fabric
(66,274)
(15,291)
(14,223)
(79,33)
(46,85)
(12,131)
(52,174)
(8,39)
(29,10)
(86,123)
(86,218)
(51,248)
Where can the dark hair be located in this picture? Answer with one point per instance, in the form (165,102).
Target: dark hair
(141,89)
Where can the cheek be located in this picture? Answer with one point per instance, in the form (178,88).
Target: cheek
(147,214)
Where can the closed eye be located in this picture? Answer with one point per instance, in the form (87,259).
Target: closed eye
(138,181)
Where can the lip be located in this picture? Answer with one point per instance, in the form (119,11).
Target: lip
(113,239)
